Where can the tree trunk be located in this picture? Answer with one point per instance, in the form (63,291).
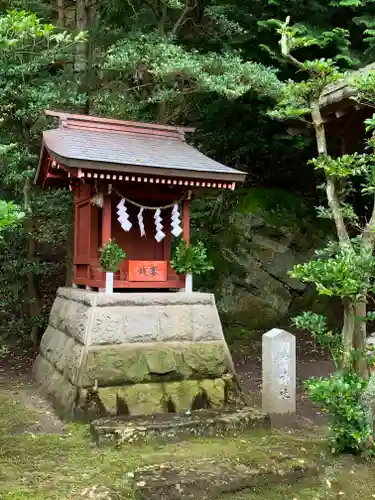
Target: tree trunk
(161,112)
(86,19)
(359,340)
(360,335)
(348,331)
(32,283)
(61,13)
(333,201)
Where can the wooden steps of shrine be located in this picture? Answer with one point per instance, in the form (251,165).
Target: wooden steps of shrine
(173,427)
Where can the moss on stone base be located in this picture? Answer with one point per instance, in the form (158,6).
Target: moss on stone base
(162,361)
(176,427)
(215,390)
(137,363)
(147,399)
(179,396)
(115,365)
(143,399)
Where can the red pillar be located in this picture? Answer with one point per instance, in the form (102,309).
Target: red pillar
(106,219)
(186,221)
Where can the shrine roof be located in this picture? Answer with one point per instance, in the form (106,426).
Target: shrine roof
(86,142)
(345,87)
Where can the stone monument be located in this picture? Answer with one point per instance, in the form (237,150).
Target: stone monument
(279,373)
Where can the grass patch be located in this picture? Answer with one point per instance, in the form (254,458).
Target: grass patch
(346,478)
(13,414)
(60,467)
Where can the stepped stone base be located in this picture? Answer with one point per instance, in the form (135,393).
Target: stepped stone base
(176,427)
(133,354)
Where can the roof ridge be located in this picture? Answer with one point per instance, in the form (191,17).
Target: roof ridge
(346,80)
(89,122)
(146,133)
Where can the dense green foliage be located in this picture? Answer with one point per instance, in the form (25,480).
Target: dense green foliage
(28,47)
(10,215)
(346,267)
(340,396)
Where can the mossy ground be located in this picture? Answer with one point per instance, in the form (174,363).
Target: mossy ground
(59,467)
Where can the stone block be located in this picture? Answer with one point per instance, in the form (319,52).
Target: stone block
(85,297)
(74,361)
(153,299)
(94,299)
(137,399)
(206,323)
(71,318)
(102,401)
(206,478)
(115,365)
(118,325)
(142,399)
(137,363)
(162,360)
(207,360)
(176,323)
(161,428)
(54,386)
(279,372)
(215,390)
(63,352)
(180,396)
(53,344)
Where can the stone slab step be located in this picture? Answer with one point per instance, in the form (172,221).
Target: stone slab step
(173,427)
(208,479)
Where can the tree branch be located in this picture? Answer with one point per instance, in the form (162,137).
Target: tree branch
(285,44)
(182,16)
(152,7)
(321,142)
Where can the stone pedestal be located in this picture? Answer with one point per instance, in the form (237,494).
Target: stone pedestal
(133,353)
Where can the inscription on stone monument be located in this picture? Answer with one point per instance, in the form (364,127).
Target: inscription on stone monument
(279,372)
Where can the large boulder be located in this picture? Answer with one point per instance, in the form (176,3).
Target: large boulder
(268,233)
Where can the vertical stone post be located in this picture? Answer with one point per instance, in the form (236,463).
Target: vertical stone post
(279,373)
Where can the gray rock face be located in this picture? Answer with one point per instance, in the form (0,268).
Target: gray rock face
(255,290)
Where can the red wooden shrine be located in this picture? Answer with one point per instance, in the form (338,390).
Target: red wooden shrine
(148,165)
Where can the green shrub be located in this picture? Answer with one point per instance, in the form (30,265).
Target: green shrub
(341,397)
(111,257)
(191,259)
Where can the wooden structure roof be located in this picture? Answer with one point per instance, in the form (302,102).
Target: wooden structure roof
(342,92)
(102,148)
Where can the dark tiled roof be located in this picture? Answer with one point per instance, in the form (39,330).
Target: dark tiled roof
(344,88)
(132,149)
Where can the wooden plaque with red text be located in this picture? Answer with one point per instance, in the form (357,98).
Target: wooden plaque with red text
(147,270)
